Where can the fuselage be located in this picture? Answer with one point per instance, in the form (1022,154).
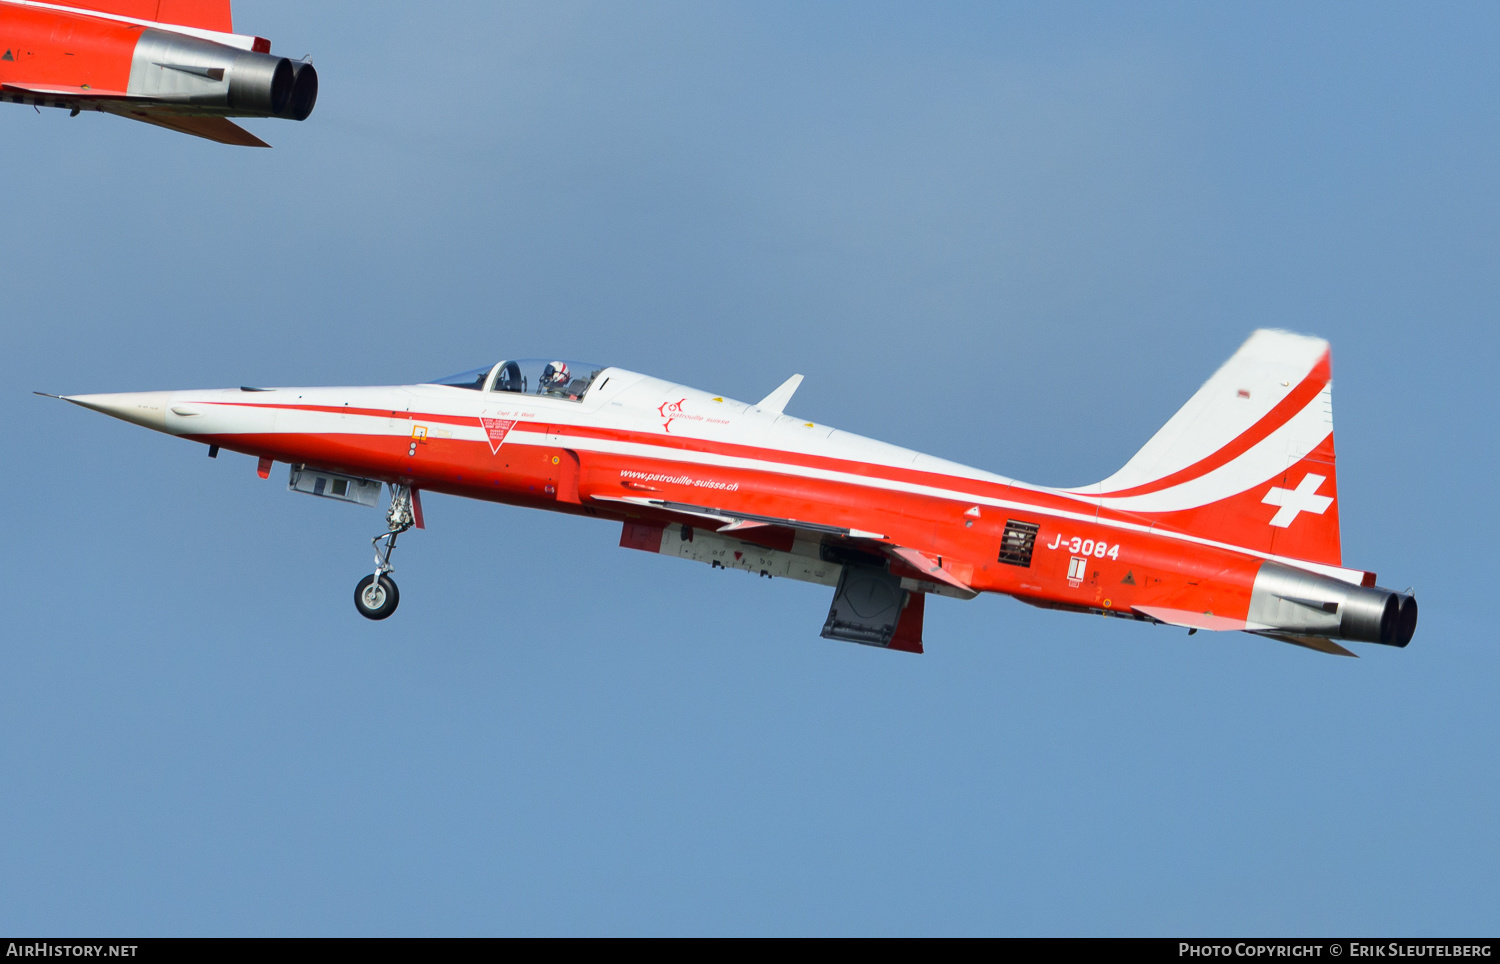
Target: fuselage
(651,453)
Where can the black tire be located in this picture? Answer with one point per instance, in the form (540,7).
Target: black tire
(383,600)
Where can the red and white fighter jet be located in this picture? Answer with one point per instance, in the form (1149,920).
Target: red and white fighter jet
(1227,519)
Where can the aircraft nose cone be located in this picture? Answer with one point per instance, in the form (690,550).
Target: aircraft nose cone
(142,408)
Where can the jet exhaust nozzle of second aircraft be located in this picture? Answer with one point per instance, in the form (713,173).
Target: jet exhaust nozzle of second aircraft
(304,92)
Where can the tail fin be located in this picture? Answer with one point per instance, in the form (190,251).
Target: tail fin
(1249,460)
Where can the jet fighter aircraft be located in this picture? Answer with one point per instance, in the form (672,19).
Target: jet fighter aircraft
(1227,519)
(174,63)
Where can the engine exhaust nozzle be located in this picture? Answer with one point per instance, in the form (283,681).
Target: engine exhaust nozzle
(304,92)
(261,84)
(1299,602)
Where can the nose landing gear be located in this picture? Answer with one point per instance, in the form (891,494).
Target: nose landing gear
(376,596)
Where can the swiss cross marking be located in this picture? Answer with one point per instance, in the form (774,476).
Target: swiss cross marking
(1304,498)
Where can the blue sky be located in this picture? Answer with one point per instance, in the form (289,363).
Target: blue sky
(1018,236)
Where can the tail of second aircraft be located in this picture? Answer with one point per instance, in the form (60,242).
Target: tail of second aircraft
(202,14)
(1249,460)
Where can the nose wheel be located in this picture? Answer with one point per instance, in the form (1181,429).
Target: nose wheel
(376,596)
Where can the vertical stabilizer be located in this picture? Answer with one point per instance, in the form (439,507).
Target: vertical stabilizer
(1249,460)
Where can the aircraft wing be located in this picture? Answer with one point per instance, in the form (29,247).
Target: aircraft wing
(733,519)
(930,567)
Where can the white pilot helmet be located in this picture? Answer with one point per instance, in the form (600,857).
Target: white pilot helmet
(556,373)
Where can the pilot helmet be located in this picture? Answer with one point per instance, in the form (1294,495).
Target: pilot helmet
(556,373)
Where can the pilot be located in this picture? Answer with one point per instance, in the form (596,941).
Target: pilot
(555,378)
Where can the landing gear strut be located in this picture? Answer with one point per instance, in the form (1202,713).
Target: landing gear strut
(376,595)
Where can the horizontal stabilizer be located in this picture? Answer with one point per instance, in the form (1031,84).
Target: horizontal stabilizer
(220,129)
(1319,643)
(131,107)
(775,403)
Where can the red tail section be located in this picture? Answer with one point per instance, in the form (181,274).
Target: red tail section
(1249,460)
(203,14)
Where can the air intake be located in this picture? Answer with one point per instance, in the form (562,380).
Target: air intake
(1017,543)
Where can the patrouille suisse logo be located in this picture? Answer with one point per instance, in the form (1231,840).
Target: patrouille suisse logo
(671,411)
(495,430)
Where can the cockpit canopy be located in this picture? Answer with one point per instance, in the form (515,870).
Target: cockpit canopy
(552,377)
